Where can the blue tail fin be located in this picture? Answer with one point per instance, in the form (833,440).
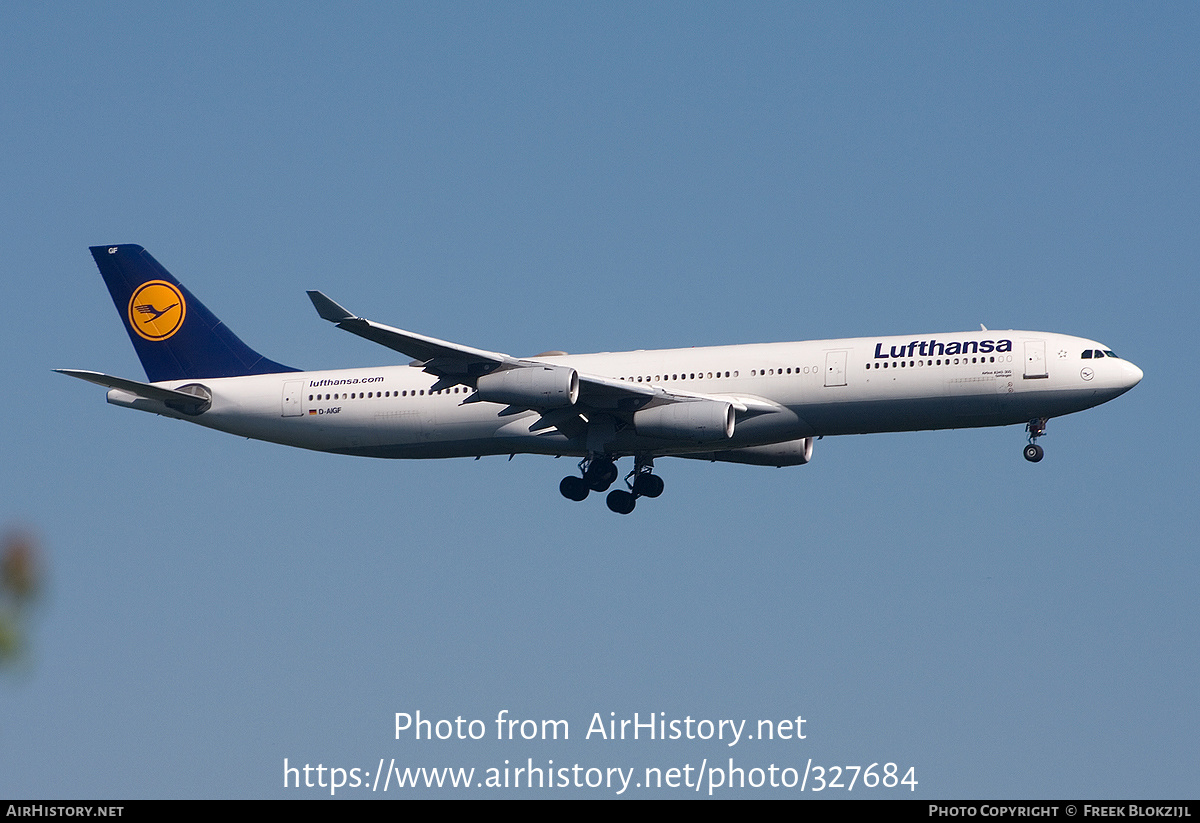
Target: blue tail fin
(175,336)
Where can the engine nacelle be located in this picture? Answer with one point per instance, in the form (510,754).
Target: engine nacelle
(542,387)
(701,421)
(791,453)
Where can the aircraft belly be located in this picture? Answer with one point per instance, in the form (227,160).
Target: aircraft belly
(453,431)
(996,407)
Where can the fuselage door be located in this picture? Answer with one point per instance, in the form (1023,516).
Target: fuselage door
(292,407)
(1035,359)
(835,368)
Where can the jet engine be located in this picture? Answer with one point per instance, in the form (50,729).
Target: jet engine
(696,420)
(542,387)
(792,453)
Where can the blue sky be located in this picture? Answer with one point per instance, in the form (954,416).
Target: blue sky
(538,176)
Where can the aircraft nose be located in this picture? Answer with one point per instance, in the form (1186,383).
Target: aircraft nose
(1132,376)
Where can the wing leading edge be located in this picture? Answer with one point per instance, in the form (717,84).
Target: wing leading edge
(455,363)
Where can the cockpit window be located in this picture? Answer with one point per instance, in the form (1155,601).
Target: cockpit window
(1087,354)
(1110,354)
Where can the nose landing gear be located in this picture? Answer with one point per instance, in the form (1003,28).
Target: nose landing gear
(1036,428)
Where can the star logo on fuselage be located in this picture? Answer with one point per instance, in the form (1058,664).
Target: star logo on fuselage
(150,321)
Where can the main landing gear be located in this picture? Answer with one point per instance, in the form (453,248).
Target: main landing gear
(644,483)
(1036,428)
(600,472)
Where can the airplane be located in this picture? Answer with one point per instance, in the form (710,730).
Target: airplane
(761,404)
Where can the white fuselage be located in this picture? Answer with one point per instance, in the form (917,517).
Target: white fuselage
(799,390)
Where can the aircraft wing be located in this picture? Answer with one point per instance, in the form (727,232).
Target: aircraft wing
(608,392)
(456,363)
(438,356)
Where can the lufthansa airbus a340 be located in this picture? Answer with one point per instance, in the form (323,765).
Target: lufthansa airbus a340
(762,404)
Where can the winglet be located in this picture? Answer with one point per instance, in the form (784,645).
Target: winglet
(328,309)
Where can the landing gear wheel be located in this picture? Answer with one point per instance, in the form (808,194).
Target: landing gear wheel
(647,485)
(574,488)
(1036,428)
(622,502)
(600,475)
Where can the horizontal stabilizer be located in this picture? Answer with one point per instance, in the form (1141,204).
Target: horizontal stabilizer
(146,390)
